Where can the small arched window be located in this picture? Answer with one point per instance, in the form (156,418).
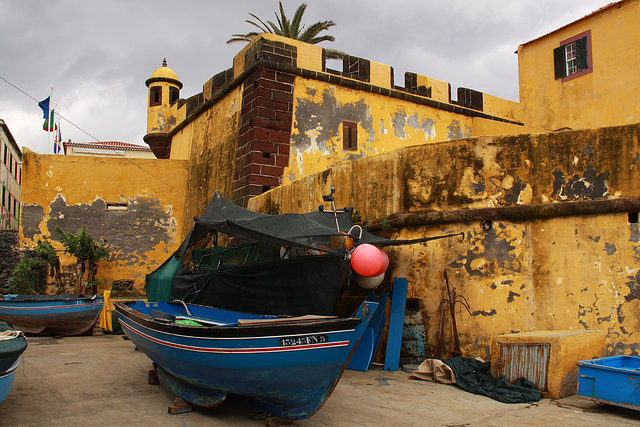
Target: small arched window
(174,94)
(155,96)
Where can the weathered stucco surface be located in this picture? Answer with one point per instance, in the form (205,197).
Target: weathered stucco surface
(211,141)
(71,192)
(320,108)
(571,272)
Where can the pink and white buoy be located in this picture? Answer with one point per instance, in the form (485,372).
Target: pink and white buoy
(370,263)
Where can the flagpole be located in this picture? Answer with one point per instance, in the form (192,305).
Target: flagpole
(50,119)
(55,132)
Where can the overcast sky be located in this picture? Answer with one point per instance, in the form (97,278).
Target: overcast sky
(98,54)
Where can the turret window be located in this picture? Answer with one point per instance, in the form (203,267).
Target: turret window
(174,94)
(155,96)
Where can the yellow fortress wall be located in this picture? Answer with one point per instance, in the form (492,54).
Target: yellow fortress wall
(136,205)
(560,248)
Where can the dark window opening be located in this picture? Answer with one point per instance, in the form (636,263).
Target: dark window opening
(15,208)
(10,163)
(265,188)
(155,96)
(174,95)
(266,155)
(6,150)
(4,196)
(573,58)
(349,135)
(20,177)
(633,217)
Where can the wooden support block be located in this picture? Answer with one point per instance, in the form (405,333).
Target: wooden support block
(152,377)
(178,401)
(179,409)
(273,421)
(97,331)
(180,406)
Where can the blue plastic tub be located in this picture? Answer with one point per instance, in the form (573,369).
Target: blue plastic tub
(613,380)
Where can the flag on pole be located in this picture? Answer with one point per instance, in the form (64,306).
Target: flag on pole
(44,104)
(50,125)
(57,139)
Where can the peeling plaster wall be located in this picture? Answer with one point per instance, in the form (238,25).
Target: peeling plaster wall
(71,192)
(576,272)
(383,125)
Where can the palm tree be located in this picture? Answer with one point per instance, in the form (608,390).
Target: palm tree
(290,29)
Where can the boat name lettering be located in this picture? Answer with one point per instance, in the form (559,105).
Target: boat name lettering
(311,339)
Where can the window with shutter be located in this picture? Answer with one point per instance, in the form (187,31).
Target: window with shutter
(573,58)
(349,136)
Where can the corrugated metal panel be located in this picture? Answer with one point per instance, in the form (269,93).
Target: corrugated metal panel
(525,360)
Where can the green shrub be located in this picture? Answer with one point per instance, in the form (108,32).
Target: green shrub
(28,277)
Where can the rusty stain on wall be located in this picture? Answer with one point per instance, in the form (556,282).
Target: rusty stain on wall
(489,253)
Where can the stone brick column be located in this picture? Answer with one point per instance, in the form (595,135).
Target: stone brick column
(265,134)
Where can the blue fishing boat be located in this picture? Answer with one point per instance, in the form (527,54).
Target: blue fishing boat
(287,366)
(289,271)
(12,345)
(65,314)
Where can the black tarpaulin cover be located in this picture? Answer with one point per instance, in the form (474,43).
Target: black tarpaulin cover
(296,281)
(306,285)
(310,230)
(475,377)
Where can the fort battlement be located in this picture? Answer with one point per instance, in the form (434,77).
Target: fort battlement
(284,54)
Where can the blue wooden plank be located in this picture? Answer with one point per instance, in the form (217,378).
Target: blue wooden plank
(381,320)
(396,322)
(365,351)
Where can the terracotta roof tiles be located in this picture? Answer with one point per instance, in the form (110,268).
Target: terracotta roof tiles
(108,145)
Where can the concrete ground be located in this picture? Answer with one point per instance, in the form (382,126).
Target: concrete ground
(102,380)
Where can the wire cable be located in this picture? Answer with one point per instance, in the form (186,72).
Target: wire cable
(106,148)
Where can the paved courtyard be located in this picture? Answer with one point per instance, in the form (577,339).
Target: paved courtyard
(102,380)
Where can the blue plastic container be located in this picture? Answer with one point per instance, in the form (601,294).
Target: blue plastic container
(613,380)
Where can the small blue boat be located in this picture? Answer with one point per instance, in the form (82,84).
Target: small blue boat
(287,366)
(12,345)
(64,314)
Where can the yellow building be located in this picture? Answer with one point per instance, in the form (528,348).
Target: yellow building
(584,74)
(10,178)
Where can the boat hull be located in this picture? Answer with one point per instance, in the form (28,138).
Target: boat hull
(6,380)
(56,317)
(288,370)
